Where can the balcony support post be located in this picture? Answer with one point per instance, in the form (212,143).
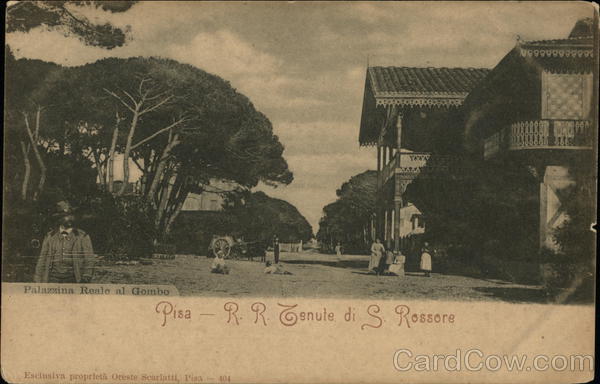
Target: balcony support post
(543,210)
(400,188)
(397,207)
(399,130)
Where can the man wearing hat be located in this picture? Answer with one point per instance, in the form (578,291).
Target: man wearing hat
(67,255)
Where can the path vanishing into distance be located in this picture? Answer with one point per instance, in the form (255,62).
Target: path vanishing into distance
(314,275)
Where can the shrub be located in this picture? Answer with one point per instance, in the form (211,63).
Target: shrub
(165,249)
(120,227)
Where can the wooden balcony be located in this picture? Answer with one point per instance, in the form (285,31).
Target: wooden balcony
(540,134)
(409,165)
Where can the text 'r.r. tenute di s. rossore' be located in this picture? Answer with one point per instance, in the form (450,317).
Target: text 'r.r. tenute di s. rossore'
(290,315)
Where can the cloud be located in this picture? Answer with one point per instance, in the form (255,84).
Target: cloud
(52,46)
(370,13)
(318,138)
(224,53)
(460,34)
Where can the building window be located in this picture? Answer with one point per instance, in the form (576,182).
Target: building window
(417,222)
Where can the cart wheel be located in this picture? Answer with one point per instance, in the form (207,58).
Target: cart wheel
(221,245)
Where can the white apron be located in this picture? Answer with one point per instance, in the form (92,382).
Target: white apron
(425,261)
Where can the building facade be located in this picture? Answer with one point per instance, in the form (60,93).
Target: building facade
(537,109)
(407,113)
(211,199)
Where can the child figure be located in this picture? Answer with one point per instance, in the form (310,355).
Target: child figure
(218,264)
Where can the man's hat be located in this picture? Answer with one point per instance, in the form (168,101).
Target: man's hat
(63,208)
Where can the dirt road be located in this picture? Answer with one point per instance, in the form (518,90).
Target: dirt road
(313,275)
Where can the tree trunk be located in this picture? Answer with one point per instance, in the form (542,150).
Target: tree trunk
(175,201)
(178,207)
(162,205)
(99,170)
(179,200)
(25,186)
(156,180)
(111,158)
(127,152)
(148,171)
(42,182)
(36,152)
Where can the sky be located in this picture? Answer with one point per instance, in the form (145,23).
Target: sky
(303,64)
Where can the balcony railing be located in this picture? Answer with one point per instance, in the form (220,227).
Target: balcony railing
(540,134)
(411,164)
(415,163)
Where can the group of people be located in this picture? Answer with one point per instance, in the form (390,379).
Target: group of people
(67,255)
(383,261)
(271,268)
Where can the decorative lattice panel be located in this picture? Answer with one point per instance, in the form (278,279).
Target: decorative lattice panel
(564,96)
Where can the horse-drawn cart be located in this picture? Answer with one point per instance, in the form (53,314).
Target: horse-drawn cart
(230,248)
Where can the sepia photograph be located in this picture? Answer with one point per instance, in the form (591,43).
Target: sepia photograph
(230,142)
(325,152)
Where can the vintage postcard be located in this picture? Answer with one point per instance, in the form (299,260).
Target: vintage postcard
(299,192)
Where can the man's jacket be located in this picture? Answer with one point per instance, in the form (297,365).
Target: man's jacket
(76,246)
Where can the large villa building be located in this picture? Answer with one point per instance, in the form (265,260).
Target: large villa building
(536,108)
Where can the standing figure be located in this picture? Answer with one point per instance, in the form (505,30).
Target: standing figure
(262,248)
(426,260)
(377,251)
(67,255)
(338,250)
(276,249)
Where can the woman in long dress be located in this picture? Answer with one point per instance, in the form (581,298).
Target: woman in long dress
(338,251)
(426,260)
(377,251)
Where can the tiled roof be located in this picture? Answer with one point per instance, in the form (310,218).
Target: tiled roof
(573,55)
(409,87)
(391,81)
(572,47)
(582,40)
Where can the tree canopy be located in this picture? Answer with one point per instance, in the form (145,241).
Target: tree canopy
(344,220)
(178,124)
(63,16)
(259,217)
(477,207)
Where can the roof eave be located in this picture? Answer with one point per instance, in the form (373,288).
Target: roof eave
(421,99)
